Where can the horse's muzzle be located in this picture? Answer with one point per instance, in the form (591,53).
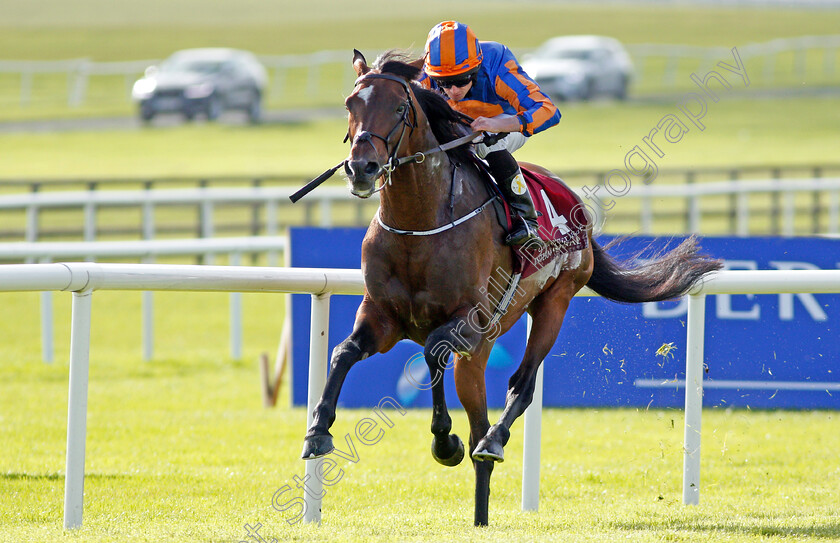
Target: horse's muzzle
(362,175)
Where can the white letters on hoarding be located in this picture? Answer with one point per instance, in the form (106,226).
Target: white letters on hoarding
(749,309)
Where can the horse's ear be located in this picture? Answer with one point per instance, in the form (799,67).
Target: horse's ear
(359,63)
(417,63)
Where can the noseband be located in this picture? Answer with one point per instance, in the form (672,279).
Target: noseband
(404,123)
(393,162)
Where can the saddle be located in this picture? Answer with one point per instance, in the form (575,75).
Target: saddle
(561,217)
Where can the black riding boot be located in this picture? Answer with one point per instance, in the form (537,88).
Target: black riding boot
(508,176)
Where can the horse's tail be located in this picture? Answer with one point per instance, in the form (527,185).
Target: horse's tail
(666,275)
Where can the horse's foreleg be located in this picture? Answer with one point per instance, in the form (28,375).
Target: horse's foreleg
(447,449)
(363,342)
(469,382)
(548,312)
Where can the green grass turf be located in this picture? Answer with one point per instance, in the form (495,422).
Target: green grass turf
(114,31)
(594,136)
(737,131)
(180,449)
(105,30)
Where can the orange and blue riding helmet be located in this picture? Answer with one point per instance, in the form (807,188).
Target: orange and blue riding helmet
(451,50)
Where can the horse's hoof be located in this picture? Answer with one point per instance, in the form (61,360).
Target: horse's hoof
(489,449)
(317,446)
(455,458)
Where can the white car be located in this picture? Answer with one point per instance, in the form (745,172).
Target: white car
(580,67)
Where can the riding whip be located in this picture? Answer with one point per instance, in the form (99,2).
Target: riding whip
(309,187)
(489,139)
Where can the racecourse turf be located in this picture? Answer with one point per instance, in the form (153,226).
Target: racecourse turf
(736,132)
(102,30)
(181,449)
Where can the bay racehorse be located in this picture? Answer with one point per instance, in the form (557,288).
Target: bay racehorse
(426,287)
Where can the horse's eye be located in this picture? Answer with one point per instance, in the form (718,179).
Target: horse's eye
(400,109)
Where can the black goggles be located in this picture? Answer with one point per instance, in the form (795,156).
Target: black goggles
(454,82)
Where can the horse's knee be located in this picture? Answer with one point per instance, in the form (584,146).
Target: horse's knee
(444,341)
(523,394)
(522,384)
(436,352)
(347,353)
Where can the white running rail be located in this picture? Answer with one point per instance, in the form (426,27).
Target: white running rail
(697,200)
(148,251)
(83,278)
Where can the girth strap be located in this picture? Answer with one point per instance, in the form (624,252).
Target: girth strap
(438,230)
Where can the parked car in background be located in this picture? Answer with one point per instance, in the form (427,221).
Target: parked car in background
(580,67)
(202,82)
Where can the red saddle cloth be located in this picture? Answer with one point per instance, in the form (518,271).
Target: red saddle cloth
(562,223)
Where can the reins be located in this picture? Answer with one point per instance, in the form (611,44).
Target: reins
(394,162)
(417,158)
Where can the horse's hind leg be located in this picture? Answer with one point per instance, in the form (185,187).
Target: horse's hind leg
(547,311)
(363,342)
(447,449)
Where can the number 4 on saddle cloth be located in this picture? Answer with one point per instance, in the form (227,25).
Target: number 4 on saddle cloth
(562,221)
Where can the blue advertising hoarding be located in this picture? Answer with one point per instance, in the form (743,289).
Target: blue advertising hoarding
(762,351)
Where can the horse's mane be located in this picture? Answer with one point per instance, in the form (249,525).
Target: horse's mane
(446,123)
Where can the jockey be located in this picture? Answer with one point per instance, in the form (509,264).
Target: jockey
(484,80)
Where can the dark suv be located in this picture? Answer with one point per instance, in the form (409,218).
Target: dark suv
(202,82)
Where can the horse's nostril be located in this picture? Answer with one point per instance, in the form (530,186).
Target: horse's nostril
(361,169)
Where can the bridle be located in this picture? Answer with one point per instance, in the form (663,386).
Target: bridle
(394,162)
(405,122)
(408,121)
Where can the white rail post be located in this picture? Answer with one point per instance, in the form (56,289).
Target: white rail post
(788,214)
(271,229)
(694,214)
(74,482)
(47,347)
(32,221)
(326,213)
(693,398)
(47,331)
(834,212)
(742,214)
(319,336)
(78,87)
(147,308)
(148,315)
(207,229)
(90,221)
(90,218)
(532,446)
(236,314)
(646,215)
(148,297)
